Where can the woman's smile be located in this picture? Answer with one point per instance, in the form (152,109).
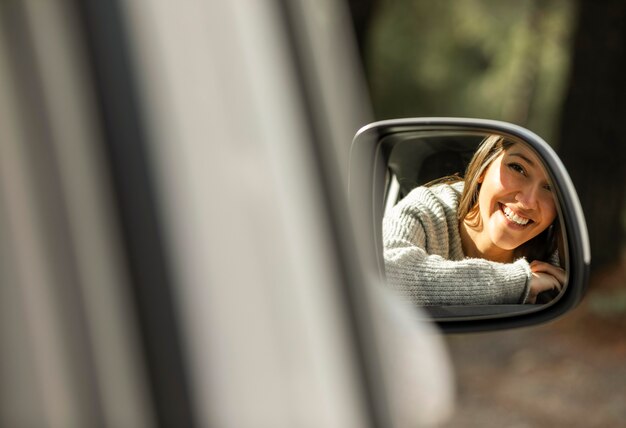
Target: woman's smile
(516,218)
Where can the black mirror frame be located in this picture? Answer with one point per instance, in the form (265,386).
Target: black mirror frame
(366,186)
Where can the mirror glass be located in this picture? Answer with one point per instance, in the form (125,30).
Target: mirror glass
(472,224)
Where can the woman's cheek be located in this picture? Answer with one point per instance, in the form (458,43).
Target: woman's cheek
(549,208)
(507,179)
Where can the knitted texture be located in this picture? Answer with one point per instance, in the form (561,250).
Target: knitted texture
(424,258)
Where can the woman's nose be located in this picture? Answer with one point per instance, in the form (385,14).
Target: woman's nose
(527,197)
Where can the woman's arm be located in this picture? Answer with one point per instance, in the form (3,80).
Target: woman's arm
(432,280)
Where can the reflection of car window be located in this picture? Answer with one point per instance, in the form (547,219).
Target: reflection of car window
(393,193)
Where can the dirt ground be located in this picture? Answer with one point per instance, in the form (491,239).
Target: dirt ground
(568,373)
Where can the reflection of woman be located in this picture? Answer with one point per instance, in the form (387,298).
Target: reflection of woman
(481,240)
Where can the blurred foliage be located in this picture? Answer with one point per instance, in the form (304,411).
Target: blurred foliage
(505,60)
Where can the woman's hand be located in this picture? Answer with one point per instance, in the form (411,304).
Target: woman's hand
(544,277)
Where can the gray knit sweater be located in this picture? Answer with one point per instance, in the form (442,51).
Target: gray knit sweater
(424,258)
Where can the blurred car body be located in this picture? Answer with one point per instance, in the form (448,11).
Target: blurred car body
(177,249)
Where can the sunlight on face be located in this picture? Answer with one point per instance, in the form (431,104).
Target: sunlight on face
(515,201)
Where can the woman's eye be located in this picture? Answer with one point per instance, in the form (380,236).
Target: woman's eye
(518,168)
(548,187)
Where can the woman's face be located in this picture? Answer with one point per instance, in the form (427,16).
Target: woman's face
(515,200)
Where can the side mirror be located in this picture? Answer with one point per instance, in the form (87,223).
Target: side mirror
(389,159)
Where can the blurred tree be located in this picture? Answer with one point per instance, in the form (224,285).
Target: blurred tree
(494,59)
(593,143)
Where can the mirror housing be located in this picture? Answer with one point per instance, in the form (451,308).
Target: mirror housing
(371,159)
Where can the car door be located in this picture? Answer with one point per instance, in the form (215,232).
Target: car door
(177,248)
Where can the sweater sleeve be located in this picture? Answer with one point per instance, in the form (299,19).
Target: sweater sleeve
(431,279)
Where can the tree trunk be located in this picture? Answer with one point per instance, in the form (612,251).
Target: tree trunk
(592,140)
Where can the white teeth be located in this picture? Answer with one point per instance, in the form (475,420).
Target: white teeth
(514,217)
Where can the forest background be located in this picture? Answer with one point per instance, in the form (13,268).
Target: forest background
(557,67)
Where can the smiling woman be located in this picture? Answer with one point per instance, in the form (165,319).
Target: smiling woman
(490,238)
